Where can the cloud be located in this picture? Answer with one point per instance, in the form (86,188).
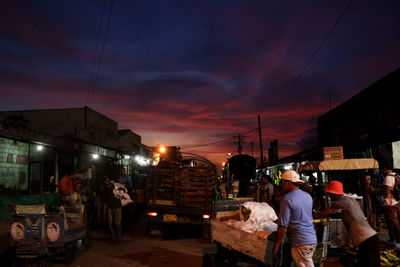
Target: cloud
(189,74)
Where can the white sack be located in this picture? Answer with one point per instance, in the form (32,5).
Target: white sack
(261,218)
(260,211)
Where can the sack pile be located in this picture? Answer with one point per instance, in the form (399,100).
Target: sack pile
(121,193)
(261,218)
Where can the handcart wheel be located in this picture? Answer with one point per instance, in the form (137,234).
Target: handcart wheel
(209,260)
(70,254)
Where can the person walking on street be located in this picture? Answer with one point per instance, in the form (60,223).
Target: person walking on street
(361,233)
(391,205)
(112,209)
(295,220)
(128,210)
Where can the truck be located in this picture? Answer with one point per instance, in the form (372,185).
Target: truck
(241,168)
(181,193)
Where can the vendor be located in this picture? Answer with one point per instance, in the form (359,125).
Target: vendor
(361,233)
(295,219)
(265,190)
(66,185)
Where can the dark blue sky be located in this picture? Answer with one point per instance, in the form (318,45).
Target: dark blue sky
(195,72)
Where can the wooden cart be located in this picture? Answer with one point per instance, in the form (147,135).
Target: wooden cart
(234,245)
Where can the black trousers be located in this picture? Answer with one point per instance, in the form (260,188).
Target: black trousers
(368,252)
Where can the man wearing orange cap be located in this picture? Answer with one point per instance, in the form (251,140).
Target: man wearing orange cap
(296,221)
(361,233)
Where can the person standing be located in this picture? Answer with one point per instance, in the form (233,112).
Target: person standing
(66,185)
(295,220)
(369,195)
(112,210)
(265,189)
(128,210)
(391,205)
(126,180)
(361,233)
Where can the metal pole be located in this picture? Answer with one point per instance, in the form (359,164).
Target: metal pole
(56,171)
(240,145)
(261,146)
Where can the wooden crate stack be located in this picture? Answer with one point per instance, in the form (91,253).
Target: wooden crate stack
(196,186)
(165,183)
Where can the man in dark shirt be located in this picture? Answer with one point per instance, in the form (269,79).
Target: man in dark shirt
(112,207)
(361,233)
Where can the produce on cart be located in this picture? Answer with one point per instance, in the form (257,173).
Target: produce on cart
(242,232)
(389,254)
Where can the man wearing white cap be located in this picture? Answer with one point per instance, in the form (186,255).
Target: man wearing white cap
(295,220)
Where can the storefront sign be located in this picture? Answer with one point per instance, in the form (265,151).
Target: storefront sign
(19,159)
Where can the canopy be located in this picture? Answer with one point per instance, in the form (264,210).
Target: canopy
(340,164)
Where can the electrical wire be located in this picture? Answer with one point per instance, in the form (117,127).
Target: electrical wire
(310,60)
(217,142)
(101,54)
(95,52)
(294,83)
(208,144)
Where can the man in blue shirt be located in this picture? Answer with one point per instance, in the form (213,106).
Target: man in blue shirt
(126,180)
(127,211)
(295,220)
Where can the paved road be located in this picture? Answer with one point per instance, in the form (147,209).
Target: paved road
(179,249)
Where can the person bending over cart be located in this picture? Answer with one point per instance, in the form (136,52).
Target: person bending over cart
(361,233)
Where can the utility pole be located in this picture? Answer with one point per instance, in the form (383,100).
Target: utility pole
(240,140)
(261,146)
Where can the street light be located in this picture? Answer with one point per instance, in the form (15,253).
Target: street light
(162,149)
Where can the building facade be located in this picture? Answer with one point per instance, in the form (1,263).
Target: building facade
(38,144)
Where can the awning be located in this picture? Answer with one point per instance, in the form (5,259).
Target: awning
(340,164)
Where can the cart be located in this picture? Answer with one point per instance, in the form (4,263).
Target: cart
(233,245)
(36,234)
(332,232)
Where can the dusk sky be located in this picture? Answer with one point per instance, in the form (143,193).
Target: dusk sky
(187,73)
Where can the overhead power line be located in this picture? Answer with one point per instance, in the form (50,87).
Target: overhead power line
(219,141)
(294,83)
(310,60)
(95,52)
(101,54)
(208,144)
